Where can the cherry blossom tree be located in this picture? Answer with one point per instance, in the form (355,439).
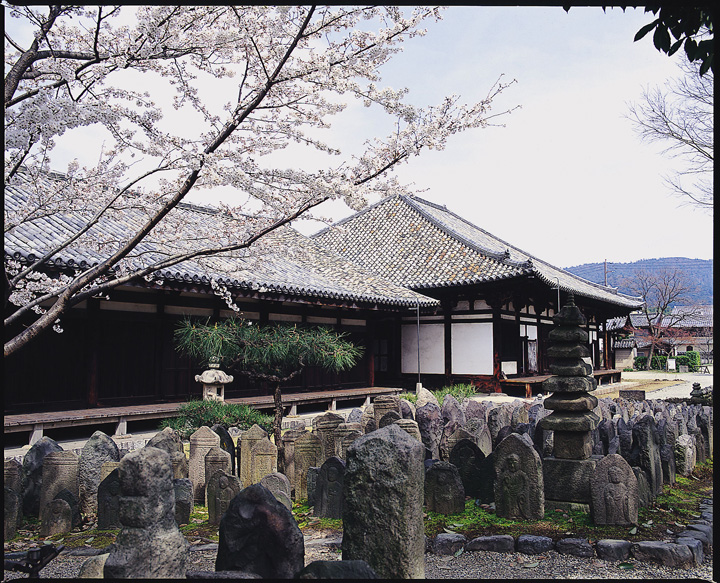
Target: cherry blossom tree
(248,82)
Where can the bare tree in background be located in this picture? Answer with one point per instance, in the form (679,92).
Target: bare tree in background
(660,290)
(680,116)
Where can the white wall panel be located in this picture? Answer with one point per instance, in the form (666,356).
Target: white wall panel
(432,349)
(472,348)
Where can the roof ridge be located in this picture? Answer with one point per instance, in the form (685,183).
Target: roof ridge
(531,258)
(356,214)
(501,257)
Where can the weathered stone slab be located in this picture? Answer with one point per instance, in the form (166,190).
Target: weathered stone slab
(568,480)
(519,479)
(202,441)
(329,489)
(444,492)
(613,549)
(55,518)
(337,570)
(615,495)
(149,545)
(577,547)
(668,554)
(221,488)
(32,474)
(448,544)
(498,543)
(97,450)
(531,544)
(383,496)
(259,535)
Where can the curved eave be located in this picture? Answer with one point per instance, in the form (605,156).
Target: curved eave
(256,286)
(609,295)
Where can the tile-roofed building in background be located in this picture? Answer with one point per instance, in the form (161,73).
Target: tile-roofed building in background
(497,300)
(684,329)
(483,308)
(117,348)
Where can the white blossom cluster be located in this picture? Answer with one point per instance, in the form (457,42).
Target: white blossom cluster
(250,81)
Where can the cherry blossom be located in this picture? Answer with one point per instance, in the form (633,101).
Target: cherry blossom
(249,80)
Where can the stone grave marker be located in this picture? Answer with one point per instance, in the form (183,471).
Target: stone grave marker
(279,485)
(12,507)
(430,424)
(74,504)
(221,488)
(329,489)
(312,475)
(108,502)
(247,442)
(97,450)
(614,491)
(259,535)
(444,492)
(519,479)
(149,544)
(60,471)
(289,438)
(183,500)
(325,429)
(477,472)
(307,455)
(227,444)
(383,494)
(263,457)
(202,441)
(55,518)
(32,473)
(215,459)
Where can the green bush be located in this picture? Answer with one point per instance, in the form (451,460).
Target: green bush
(659,362)
(690,359)
(411,397)
(195,414)
(460,392)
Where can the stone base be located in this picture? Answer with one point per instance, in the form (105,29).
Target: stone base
(572,445)
(568,480)
(551,505)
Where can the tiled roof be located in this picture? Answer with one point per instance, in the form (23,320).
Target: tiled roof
(692,317)
(626,343)
(419,244)
(617,323)
(295,264)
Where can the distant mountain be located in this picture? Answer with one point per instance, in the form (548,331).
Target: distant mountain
(700,271)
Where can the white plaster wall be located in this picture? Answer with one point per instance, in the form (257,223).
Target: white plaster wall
(432,349)
(472,348)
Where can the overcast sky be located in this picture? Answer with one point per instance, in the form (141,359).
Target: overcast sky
(567,179)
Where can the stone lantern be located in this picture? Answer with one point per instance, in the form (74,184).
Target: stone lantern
(214,381)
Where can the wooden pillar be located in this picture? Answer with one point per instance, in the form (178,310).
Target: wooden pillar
(447,322)
(158,360)
(92,343)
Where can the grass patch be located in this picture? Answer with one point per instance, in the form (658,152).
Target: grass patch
(460,392)
(302,512)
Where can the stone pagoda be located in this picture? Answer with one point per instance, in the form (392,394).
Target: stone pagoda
(567,473)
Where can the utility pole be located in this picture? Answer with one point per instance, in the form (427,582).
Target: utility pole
(606,273)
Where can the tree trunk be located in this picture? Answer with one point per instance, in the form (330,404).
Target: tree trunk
(277,428)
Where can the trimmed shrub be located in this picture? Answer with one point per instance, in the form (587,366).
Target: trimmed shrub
(195,414)
(659,362)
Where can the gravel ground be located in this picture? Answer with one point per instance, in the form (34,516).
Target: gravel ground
(469,565)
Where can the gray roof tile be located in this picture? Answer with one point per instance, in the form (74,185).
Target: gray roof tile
(311,271)
(419,244)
